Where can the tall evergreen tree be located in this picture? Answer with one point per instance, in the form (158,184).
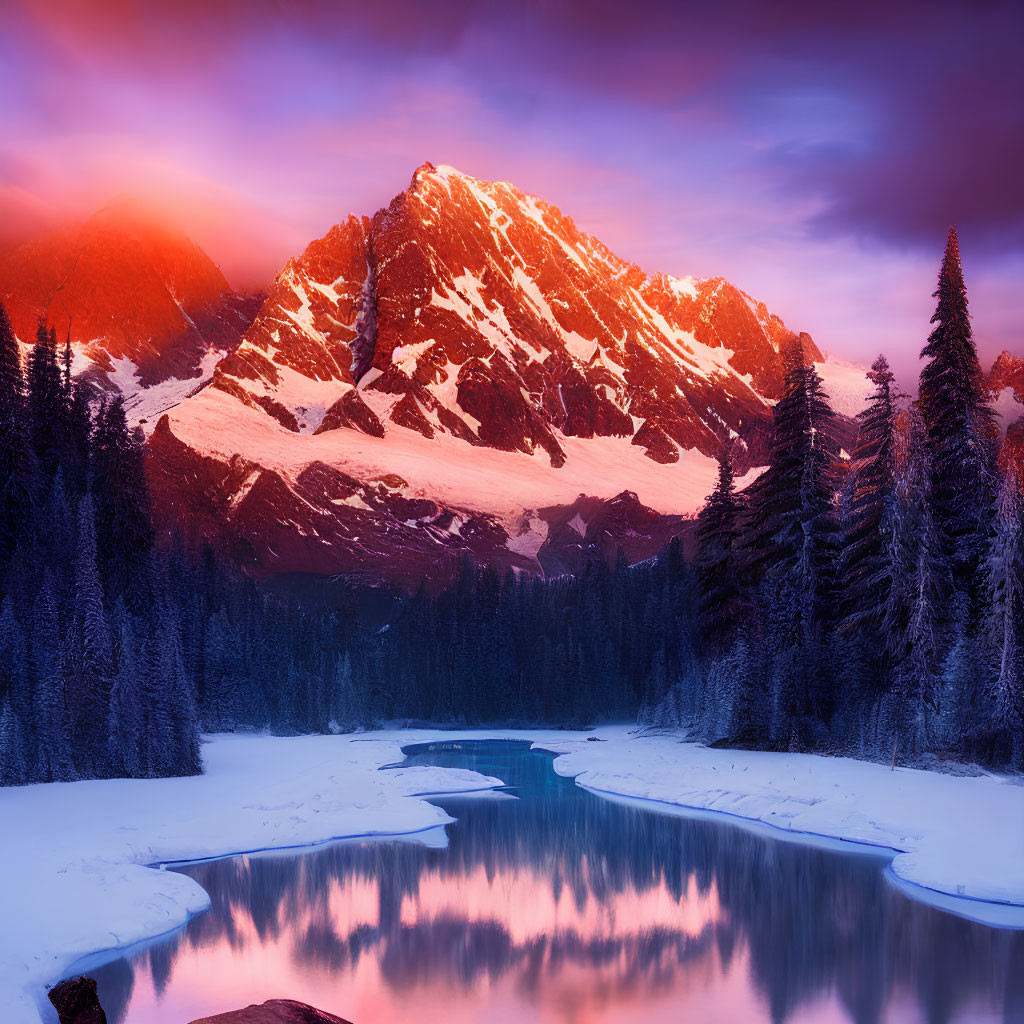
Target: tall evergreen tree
(15,683)
(124,530)
(125,721)
(49,712)
(792,519)
(865,571)
(45,399)
(16,484)
(914,609)
(1005,580)
(959,424)
(89,652)
(718,586)
(13,769)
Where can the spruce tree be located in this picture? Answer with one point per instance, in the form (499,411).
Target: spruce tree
(1005,581)
(792,525)
(16,477)
(789,548)
(49,713)
(718,587)
(15,687)
(865,571)
(45,399)
(125,720)
(13,769)
(124,530)
(89,652)
(959,425)
(914,610)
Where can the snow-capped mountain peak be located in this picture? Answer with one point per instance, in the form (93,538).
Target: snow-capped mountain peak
(458,363)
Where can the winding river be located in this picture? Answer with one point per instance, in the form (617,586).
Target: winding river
(550,904)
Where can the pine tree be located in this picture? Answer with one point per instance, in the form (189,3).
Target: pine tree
(959,424)
(49,713)
(718,587)
(89,653)
(792,525)
(15,687)
(124,530)
(789,548)
(13,769)
(915,669)
(45,399)
(865,571)
(181,755)
(1005,580)
(125,721)
(16,483)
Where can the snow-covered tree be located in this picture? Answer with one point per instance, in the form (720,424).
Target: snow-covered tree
(89,652)
(13,768)
(865,571)
(126,718)
(124,530)
(792,524)
(49,711)
(959,424)
(1005,580)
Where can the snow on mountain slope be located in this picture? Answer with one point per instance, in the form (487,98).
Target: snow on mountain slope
(1005,385)
(454,364)
(147,312)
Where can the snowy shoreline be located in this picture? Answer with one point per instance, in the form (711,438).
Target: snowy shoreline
(84,847)
(76,858)
(957,842)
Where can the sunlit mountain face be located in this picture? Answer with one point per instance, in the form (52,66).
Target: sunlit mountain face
(551,904)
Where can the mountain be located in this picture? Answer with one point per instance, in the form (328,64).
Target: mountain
(1005,383)
(146,310)
(467,371)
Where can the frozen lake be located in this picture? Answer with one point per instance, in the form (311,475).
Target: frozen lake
(552,904)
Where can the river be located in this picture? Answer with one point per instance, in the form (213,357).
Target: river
(547,903)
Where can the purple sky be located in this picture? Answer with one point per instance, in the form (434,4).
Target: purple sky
(812,153)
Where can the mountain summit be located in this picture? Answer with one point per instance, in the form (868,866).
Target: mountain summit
(141,304)
(454,373)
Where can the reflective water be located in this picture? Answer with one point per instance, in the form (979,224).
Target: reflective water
(559,906)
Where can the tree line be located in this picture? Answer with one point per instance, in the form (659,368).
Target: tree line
(870,604)
(116,651)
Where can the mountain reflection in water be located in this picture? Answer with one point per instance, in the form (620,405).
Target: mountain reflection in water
(560,906)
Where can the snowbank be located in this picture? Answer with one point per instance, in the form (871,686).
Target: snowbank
(959,837)
(73,855)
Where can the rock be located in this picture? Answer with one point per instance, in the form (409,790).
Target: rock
(275,1011)
(77,1003)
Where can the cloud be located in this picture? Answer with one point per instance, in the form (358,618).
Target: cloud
(815,153)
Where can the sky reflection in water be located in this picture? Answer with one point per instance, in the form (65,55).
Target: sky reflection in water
(560,906)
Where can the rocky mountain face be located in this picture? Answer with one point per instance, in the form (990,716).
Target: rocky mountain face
(1006,390)
(467,371)
(469,309)
(145,308)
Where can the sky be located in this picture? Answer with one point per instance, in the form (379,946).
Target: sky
(813,153)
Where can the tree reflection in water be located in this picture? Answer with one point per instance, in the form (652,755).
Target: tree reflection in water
(562,906)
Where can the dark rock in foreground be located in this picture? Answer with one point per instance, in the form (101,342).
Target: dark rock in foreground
(273,1011)
(77,1003)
